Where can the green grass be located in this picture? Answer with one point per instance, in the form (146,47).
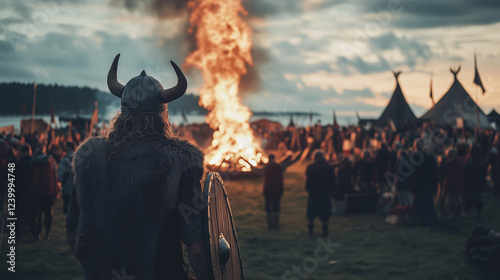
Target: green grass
(370,248)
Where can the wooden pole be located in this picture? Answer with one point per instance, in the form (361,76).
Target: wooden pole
(477,110)
(32,127)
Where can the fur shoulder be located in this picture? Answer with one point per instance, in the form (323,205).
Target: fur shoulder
(189,154)
(163,153)
(85,151)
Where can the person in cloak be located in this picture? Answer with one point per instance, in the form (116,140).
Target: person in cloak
(124,220)
(320,184)
(425,179)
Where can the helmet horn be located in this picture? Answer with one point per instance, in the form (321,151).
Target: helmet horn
(178,90)
(114,86)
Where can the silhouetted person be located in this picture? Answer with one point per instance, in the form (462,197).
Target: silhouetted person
(452,184)
(345,186)
(494,170)
(406,177)
(65,175)
(273,191)
(26,210)
(55,149)
(364,172)
(44,188)
(475,180)
(425,177)
(382,160)
(129,210)
(320,183)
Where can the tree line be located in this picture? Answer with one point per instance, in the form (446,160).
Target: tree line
(17,99)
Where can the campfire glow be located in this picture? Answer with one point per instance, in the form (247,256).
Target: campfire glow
(224,43)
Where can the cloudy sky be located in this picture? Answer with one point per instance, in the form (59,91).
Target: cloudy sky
(317,55)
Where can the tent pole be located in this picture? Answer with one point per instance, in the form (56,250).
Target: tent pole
(477,110)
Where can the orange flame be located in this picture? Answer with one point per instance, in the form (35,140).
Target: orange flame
(224,43)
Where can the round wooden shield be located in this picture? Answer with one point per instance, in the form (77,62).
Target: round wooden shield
(219,231)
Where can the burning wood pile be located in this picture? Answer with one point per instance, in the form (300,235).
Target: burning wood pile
(224,44)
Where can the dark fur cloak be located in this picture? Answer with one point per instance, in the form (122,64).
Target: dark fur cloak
(123,202)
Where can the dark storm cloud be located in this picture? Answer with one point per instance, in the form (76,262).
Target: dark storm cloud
(263,8)
(344,65)
(431,13)
(72,60)
(366,92)
(168,8)
(21,9)
(68,28)
(10,20)
(12,72)
(411,48)
(404,13)
(5,49)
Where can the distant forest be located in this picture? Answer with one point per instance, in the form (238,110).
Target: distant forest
(17,99)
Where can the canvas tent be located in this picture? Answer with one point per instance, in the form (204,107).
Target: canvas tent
(494,117)
(456,103)
(398,109)
(39,125)
(7,129)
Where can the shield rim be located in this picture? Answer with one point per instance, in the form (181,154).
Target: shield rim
(207,240)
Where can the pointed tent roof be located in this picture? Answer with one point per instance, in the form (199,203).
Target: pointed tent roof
(398,109)
(493,114)
(456,103)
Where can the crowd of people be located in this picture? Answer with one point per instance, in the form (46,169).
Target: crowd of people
(438,170)
(42,169)
(434,170)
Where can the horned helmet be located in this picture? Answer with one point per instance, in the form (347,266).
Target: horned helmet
(144,94)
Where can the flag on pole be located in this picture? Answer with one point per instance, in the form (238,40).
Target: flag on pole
(69,138)
(477,79)
(335,124)
(430,94)
(184,118)
(93,120)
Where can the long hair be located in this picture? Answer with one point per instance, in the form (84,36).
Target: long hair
(127,128)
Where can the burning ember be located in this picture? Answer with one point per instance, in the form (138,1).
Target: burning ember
(224,43)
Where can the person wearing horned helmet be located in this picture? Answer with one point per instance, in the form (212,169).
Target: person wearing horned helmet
(125,220)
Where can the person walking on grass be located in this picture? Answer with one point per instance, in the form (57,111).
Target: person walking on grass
(320,183)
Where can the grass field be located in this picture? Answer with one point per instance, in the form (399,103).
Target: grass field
(369,248)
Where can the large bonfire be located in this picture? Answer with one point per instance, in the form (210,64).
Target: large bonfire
(224,43)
